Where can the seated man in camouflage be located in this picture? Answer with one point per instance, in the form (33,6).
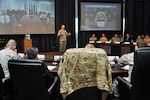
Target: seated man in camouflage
(85,67)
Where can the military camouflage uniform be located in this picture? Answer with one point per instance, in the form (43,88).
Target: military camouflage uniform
(103,39)
(84,67)
(115,39)
(62,34)
(5,55)
(92,38)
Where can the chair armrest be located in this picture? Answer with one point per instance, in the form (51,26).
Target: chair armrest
(124,82)
(6,80)
(51,88)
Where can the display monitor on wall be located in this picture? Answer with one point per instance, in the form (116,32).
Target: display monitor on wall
(99,16)
(27,17)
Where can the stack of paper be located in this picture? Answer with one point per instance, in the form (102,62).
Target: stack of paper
(51,67)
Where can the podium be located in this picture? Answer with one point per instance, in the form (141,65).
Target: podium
(27,44)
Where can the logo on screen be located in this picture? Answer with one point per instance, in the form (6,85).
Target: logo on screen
(101,19)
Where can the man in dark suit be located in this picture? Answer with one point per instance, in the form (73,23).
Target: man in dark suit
(128,38)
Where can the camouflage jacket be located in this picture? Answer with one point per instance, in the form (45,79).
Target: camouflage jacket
(62,34)
(5,55)
(84,67)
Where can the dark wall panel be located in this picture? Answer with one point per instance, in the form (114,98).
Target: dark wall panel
(137,17)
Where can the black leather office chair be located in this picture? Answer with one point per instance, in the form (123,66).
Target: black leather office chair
(1,72)
(124,88)
(1,84)
(140,75)
(5,85)
(28,80)
(140,82)
(87,93)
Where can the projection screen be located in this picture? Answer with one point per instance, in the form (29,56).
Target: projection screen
(100,16)
(27,17)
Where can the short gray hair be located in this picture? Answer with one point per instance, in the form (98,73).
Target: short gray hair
(32,52)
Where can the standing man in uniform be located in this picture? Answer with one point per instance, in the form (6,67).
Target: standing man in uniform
(62,34)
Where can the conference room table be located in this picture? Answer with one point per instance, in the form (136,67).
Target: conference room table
(55,65)
(115,48)
(49,60)
(115,72)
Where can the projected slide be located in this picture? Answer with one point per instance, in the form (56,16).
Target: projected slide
(100,16)
(27,17)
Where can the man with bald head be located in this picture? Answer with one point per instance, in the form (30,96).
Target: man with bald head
(89,45)
(9,52)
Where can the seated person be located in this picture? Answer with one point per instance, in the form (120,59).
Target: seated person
(32,53)
(127,59)
(128,38)
(138,38)
(147,36)
(9,52)
(103,38)
(93,37)
(115,38)
(147,39)
(142,36)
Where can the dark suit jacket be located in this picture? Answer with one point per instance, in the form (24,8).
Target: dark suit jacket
(128,39)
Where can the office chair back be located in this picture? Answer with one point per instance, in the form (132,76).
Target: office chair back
(1,85)
(141,74)
(1,72)
(28,79)
(87,93)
